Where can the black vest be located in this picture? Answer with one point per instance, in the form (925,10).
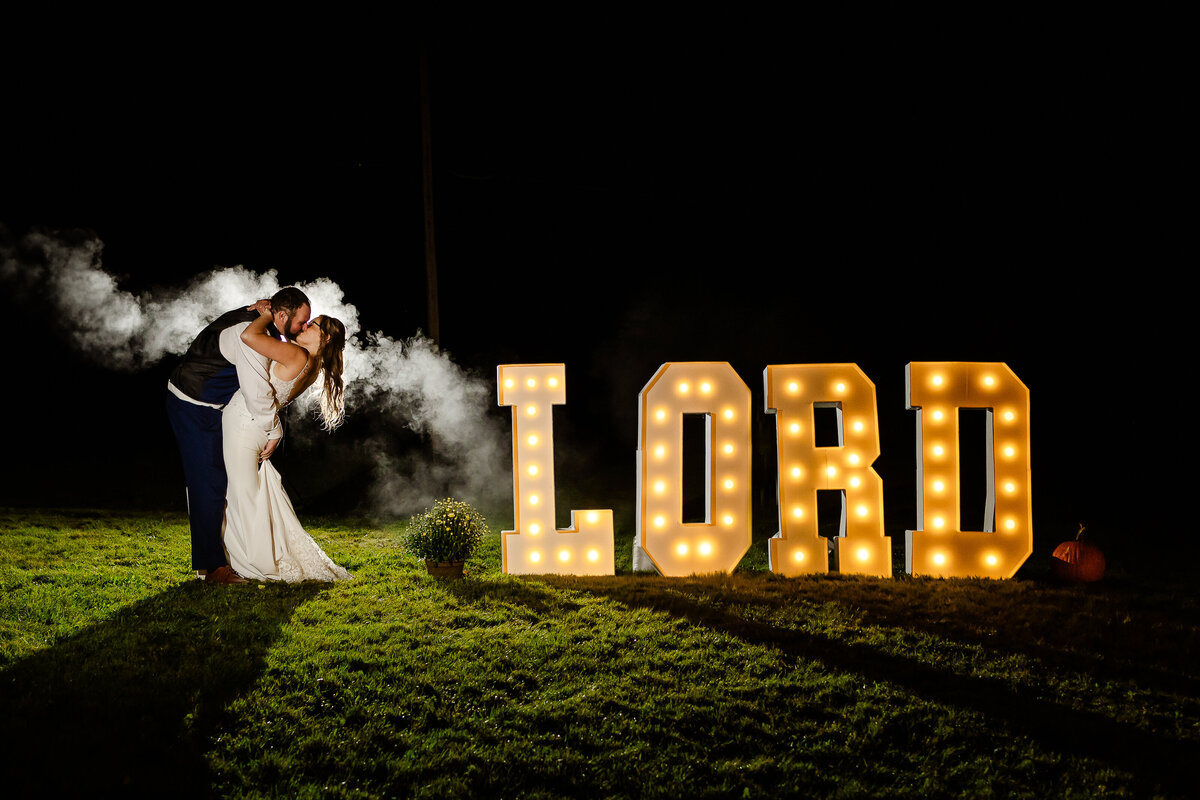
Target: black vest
(205,374)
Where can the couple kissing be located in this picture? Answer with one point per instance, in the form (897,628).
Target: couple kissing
(223,403)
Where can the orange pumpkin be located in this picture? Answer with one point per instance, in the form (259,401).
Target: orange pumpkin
(1078,561)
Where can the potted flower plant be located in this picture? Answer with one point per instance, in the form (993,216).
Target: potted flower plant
(445,536)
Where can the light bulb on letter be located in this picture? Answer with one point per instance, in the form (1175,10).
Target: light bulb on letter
(938,390)
(527,388)
(714,391)
(796,393)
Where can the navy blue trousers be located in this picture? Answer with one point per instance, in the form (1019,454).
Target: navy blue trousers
(198,431)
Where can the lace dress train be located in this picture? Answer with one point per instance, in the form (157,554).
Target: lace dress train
(263,537)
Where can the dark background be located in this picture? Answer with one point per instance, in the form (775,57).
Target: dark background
(838,195)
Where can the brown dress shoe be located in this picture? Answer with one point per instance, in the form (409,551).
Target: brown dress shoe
(224,576)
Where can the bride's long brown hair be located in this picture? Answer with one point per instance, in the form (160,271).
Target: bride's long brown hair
(329,361)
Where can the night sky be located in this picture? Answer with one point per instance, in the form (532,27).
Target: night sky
(616,207)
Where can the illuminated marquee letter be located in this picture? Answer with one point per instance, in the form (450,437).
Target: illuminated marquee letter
(937,390)
(793,393)
(717,544)
(535,547)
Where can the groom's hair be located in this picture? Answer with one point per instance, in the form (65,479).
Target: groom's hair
(289,299)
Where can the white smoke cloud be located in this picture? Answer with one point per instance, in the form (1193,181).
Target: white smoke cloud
(414,381)
(409,381)
(112,326)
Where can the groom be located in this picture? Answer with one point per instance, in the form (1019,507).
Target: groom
(214,367)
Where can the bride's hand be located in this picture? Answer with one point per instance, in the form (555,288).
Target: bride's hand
(268,450)
(263,307)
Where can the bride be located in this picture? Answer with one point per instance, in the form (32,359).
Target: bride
(263,537)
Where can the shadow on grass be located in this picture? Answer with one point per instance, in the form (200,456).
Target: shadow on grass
(1155,761)
(1119,631)
(1141,632)
(530,594)
(127,706)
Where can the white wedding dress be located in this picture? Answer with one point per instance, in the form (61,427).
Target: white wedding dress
(263,538)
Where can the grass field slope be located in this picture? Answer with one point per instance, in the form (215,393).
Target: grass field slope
(120,674)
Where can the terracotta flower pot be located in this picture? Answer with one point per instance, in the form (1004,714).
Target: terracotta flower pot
(444,569)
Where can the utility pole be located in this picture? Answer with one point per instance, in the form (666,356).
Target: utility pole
(431,281)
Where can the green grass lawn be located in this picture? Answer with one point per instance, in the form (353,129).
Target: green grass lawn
(121,674)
